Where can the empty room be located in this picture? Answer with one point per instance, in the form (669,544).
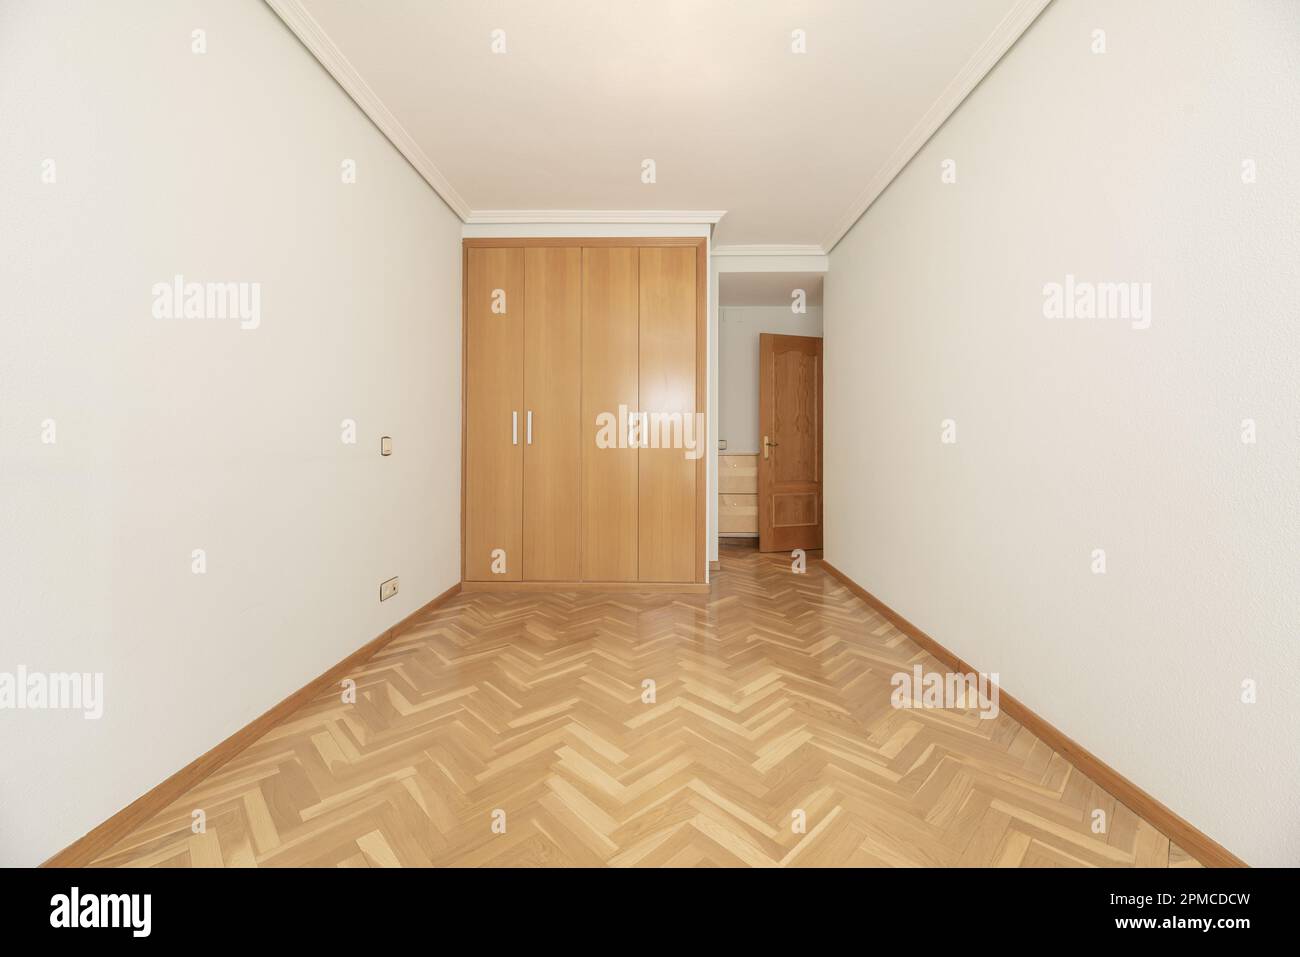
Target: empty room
(675,434)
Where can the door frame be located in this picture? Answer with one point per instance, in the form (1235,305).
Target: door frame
(700,243)
(766,343)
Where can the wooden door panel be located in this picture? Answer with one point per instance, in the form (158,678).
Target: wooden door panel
(494,378)
(667,468)
(552,426)
(794,508)
(794,423)
(610,379)
(790,459)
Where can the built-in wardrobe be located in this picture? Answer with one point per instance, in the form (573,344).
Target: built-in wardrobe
(584,391)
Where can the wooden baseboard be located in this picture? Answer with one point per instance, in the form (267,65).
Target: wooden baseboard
(678,588)
(1205,849)
(85,849)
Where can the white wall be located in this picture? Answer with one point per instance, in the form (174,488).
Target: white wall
(1082,434)
(174,435)
(738,330)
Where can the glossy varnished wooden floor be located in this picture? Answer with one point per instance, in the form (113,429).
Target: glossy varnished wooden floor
(771,698)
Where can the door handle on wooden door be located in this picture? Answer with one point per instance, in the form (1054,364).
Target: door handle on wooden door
(514,428)
(530,427)
(768,444)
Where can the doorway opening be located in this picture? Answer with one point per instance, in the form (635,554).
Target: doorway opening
(770,411)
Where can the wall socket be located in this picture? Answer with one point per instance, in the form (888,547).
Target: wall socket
(387,589)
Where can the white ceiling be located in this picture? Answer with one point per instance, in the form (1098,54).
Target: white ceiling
(792,146)
(768,288)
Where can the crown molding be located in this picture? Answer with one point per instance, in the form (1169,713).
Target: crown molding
(1004,35)
(994,47)
(585,216)
(316,40)
(768,250)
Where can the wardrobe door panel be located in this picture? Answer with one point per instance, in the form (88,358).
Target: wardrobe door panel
(552,426)
(609,380)
(494,413)
(667,468)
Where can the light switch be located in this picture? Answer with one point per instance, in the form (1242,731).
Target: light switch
(722,445)
(386,445)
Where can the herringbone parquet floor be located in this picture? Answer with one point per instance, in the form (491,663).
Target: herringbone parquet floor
(511,730)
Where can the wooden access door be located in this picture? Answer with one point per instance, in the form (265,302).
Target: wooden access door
(494,410)
(494,407)
(552,413)
(610,383)
(790,430)
(671,440)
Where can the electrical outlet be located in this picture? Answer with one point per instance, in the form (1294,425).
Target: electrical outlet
(387,589)
(722,445)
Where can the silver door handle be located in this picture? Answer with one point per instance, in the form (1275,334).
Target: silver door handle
(530,426)
(514,428)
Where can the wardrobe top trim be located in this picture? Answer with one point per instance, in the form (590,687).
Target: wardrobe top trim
(571,242)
